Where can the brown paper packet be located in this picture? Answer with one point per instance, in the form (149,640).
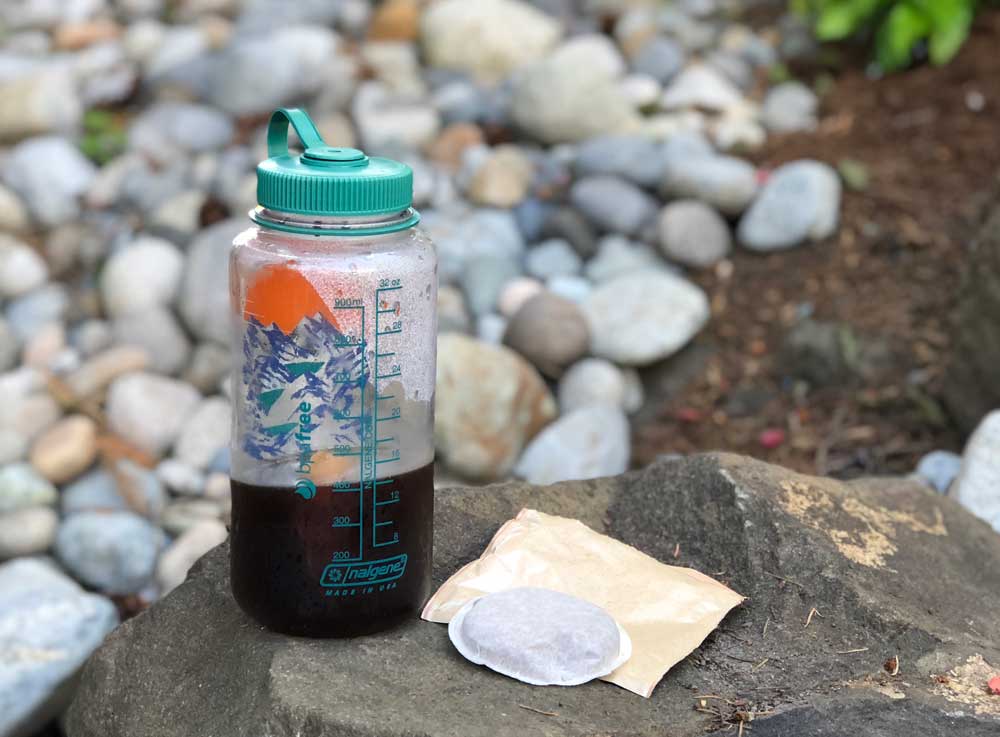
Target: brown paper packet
(666,610)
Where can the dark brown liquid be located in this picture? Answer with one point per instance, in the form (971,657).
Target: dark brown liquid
(332,566)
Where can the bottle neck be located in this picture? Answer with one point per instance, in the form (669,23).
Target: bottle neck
(336,225)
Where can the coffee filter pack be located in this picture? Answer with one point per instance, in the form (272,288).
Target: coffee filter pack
(663,611)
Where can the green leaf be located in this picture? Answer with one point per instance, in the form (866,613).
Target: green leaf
(837,21)
(902,29)
(951,20)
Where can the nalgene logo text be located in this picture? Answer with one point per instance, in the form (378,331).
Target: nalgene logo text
(337,575)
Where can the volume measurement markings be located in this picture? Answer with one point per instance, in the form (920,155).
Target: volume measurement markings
(383,333)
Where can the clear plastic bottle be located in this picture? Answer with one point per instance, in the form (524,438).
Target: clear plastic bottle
(334,294)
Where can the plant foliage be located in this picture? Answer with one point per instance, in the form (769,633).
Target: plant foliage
(899,26)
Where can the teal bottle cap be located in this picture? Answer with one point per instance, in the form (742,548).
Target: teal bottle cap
(327,180)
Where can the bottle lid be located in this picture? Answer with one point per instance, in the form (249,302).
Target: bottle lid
(327,180)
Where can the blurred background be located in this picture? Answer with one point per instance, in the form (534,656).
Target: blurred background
(663,227)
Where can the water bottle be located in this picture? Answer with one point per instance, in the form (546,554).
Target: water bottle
(334,295)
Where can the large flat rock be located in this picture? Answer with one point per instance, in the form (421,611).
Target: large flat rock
(890,568)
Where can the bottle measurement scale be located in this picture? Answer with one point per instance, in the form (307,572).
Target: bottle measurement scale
(378,394)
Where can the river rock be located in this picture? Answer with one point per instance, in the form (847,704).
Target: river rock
(209,365)
(640,318)
(158,334)
(554,103)
(693,234)
(568,224)
(700,86)
(114,552)
(171,129)
(860,552)
(491,327)
(790,107)
(661,58)
(204,297)
(154,263)
(183,514)
(799,202)
(549,331)
(44,100)
(10,347)
(977,487)
(96,490)
(487,39)
(97,372)
(489,402)
(516,292)
(939,468)
(587,443)
(467,238)
(553,257)
(149,411)
(66,449)
(483,280)
(204,433)
(139,488)
(21,268)
(21,486)
(618,256)
(726,183)
(502,180)
(50,627)
(31,312)
(181,478)
(27,531)
(389,121)
(613,204)
(13,213)
(572,287)
(176,561)
(638,159)
(50,174)
(592,381)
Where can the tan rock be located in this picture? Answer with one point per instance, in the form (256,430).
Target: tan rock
(395,20)
(489,403)
(95,374)
(176,561)
(448,147)
(75,36)
(503,179)
(66,449)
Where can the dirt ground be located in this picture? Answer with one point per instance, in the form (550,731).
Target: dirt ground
(928,141)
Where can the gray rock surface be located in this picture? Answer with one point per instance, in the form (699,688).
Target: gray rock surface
(204,298)
(613,204)
(693,234)
(857,553)
(112,551)
(549,331)
(50,174)
(48,628)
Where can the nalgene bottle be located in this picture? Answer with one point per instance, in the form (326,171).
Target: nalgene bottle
(334,292)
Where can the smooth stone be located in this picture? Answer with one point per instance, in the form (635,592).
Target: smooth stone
(46,348)
(453,317)
(169,129)
(700,86)
(204,297)
(91,336)
(554,103)
(158,333)
(553,257)
(140,488)
(587,443)
(592,381)
(136,397)
(618,256)
(154,263)
(733,67)
(726,183)
(386,121)
(21,268)
(50,626)
(790,107)
(977,487)
(13,212)
(800,201)
(395,65)
(939,468)
(661,58)
(483,280)
(205,431)
(489,403)
(477,37)
(114,552)
(738,133)
(96,490)
(13,447)
(181,478)
(613,204)
(693,234)
(66,449)
(176,561)
(572,287)
(50,174)
(27,531)
(641,90)
(479,234)
(640,160)
(43,100)
(549,331)
(516,292)
(210,363)
(641,318)
(288,62)
(180,516)
(503,179)
(97,372)
(571,226)
(491,327)
(21,486)
(395,20)
(29,313)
